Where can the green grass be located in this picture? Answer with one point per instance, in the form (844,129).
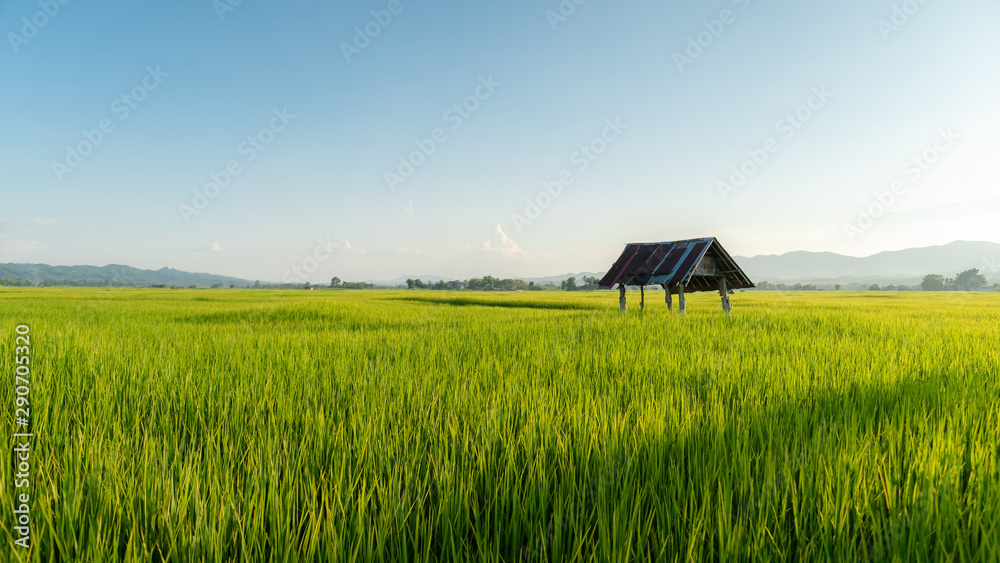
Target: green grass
(438,426)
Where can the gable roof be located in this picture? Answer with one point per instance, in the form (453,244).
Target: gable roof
(677,262)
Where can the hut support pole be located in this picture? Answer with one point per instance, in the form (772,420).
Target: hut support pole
(642,298)
(669,298)
(727,305)
(621,299)
(683,302)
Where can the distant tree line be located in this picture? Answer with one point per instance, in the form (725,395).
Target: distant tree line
(490,283)
(20,282)
(969,280)
(877,287)
(337,283)
(768,286)
(52,282)
(486,283)
(589,284)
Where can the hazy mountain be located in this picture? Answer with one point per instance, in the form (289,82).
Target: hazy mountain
(113,275)
(901,267)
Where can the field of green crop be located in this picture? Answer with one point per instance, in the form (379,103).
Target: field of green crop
(440,426)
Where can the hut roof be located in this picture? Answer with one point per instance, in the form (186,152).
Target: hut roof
(678,262)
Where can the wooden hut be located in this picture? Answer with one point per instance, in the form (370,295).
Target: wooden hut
(680,267)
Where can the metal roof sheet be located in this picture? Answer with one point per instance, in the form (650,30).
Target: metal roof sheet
(677,262)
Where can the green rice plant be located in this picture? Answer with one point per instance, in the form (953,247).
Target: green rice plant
(439,426)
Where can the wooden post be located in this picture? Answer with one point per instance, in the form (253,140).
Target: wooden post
(724,292)
(683,302)
(621,300)
(669,298)
(642,298)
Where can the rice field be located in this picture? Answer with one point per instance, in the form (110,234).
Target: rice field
(232,425)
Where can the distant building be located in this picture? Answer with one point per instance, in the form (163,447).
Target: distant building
(680,267)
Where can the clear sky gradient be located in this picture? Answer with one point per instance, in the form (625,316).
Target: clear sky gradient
(644,111)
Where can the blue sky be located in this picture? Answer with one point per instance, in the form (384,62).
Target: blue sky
(858,126)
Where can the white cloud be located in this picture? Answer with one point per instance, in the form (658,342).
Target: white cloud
(349,249)
(214,247)
(44,222)
(409,209)
(503,244)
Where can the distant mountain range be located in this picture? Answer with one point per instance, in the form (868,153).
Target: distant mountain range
(906,267)
(902,267)
(113,275)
